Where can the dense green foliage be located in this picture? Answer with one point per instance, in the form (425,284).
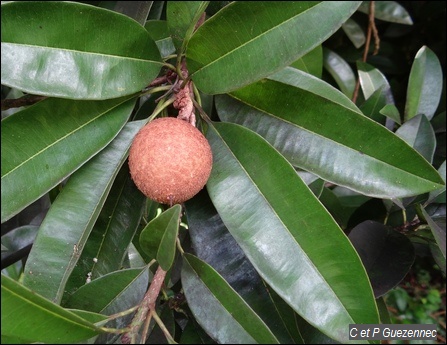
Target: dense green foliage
(326,201)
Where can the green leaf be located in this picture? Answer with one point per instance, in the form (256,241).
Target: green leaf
(156,11)
(194,334)
(390,11)
(340,70)
(106,249)
(312,335)
(166,251)
(30,318)
(331,202)
(383,311)
(391,112)
(354,32)
(67,60)
(181,15)
(159,32)
(439,195)
(311,63)
(46,142)
(218,308)
(319,130)
(419,134)
(117,224)
(137,10)
(225,53)
(97,295)
(18,238)
(374,104)
(275,219)
(158,238)
(213,244)
(65,229)
(438,231)
(98,319)
(371,80)
(425,85)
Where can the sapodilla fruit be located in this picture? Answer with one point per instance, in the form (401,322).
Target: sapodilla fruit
(170,160)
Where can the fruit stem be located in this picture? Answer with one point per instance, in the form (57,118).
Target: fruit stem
(158,89)
(202,112)
(160,106)
(196,94)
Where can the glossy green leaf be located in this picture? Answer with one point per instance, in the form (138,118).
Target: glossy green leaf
(311,63)
(425,85)
(374,104)
(331,202)
(312,335)
(440,194)
(390,11)
(288,316)
(98,319)
(97,295)
(371,80)
(354,32)
(383,311)
(159,32)
(218,308)
(137,10)
(386,254)
(130,296)
(46,142)
(225,53)
(159,236)
(194,334)
(68,61)
(106,249)
(419,134)
(181,15)
(30,318)
(166,251)
(158,29)
(117,224)
(213,244)
(438,231)
(275,219)
(319,130)
(17,239)
(65,229)
(316,186)
(156,11)
(340,70)
(438,256)
(348,197)
(391,112)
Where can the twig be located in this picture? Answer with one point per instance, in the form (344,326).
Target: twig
(202,112)
(162,326)
(372,29)
(145,308)
(21,102)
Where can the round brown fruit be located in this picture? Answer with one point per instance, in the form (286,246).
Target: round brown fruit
(170,160)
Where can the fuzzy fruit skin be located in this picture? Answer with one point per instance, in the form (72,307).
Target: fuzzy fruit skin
(170,160)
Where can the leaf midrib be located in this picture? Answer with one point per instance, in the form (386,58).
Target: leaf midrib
(254,39)
(332,140)
(80,52)
(280,220)
(60,139)
(238,296)
(64,317)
